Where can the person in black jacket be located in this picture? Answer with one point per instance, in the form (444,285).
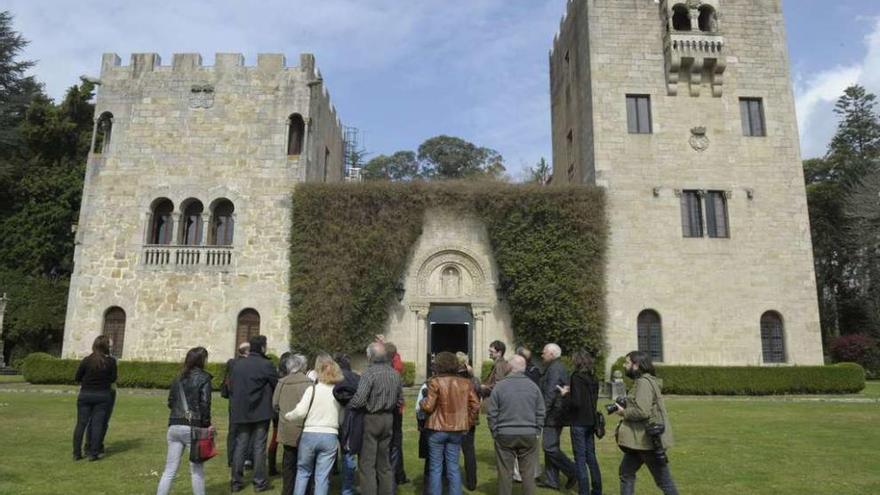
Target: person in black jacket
(580,403)
(189,399)
(96,375)
(352,424)
(251,385)
(532,371)
(555,460)
(243,350)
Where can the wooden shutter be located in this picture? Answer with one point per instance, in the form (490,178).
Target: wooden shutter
(114,327)
(248,326)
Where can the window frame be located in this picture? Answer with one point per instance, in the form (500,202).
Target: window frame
(649,334)
(639,116)
(710,212)
(773,345)
(688,215)
(751,108)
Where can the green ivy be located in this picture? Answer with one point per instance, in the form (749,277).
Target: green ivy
(350,244)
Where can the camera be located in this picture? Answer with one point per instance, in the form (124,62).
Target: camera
(655,431)
(612,408)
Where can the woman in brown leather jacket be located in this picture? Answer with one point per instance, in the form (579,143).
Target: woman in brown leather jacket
(453,407)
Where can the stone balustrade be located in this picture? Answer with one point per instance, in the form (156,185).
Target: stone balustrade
(170,256)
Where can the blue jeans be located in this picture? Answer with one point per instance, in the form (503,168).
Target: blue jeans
(444,448)
(584,447)
(178,440)
(316,450)
(349,466)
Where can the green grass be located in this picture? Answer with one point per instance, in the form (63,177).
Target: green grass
(11,379)
(723,446)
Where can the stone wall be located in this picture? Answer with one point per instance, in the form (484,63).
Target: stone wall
(188,131)
(710,293)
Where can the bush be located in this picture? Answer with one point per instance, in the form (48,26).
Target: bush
(756,380)
(858,348)
(43,368)
(486,369)
(409,373)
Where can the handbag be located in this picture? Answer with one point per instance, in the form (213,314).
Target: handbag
(600,425)
(201,446)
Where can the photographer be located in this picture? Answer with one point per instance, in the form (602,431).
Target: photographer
(644,433)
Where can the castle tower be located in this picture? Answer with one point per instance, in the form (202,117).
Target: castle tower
(183,232)
(683,111)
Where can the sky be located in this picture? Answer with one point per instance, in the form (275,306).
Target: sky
(404,71)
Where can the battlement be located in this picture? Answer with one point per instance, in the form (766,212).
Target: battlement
(142,63)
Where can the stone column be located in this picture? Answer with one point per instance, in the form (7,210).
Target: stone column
(420,315)
(3,301)
(481,346)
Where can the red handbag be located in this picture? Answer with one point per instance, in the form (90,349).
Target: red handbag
(202,446)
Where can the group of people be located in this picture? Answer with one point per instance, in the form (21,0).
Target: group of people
(328,418)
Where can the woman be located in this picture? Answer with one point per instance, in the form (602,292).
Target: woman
(467,446)
(273,442)
(453,407)
(96,375)
(580,401)
(188,397)
(321,413)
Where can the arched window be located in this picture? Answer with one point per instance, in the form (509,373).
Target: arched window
(651,334)
(248,326)
(681,18)
(191,223)
(114,327)
(772,337)
(295,134)
(222,223)
(708,20)
(161,223)
(103,129)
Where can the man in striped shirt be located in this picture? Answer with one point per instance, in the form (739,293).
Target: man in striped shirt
(379,393)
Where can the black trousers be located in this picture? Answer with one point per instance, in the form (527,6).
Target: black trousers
(470,460)
(91,408)
(397,449)
(633,460)
(250,434)
(288,469)
(106,424)
(555,459)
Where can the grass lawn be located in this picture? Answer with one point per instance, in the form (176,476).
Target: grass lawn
(724,446)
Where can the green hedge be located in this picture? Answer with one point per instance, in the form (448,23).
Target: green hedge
(350,245)
(409,373)
(762,380)
(43,368)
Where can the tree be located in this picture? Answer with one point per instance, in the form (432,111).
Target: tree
(862,213)
(540,173)
(838,195)
(447,157)
(402,165)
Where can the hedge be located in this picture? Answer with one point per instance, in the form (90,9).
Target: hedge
(351,243)
(840,378)
(43,368)
(409,373)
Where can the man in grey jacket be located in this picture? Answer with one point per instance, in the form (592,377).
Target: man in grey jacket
(516,416)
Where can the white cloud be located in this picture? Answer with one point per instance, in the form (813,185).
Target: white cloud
(816,95)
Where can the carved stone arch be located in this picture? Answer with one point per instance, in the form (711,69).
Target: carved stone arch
(472,276)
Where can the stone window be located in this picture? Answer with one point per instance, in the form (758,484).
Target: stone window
(103,129)
(326,161)
(681,18)
(772,337)
(114,328)
(295,134)
(752,115)
(638,114)
(161,222)
(691,214)
(222,223)
(708,20)
(650,335)
(248,326)
(191,223)
(716,214)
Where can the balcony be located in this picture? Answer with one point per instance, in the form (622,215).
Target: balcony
(692,57)
(172,257)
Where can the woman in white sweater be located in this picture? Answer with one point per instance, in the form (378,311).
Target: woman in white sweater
(322,414)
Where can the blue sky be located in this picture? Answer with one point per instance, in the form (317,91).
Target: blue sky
(405,71)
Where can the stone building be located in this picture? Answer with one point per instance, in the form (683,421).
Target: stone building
(183,232)
(683,111)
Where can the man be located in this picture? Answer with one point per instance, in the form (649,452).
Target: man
(499,370)
(251,385)
(516,415)
(532,371)
(397,437)
(243,350)
(555,377)
(379,393)
(644,413)
(351,432)
(287,395)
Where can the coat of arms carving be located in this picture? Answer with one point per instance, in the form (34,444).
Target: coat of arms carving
(699,141)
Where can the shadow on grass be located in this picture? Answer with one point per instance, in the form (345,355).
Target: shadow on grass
(121,446)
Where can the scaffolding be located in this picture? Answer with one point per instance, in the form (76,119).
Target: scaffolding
(354,154)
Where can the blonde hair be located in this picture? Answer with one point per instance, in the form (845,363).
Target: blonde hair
(462,358)
(327,370)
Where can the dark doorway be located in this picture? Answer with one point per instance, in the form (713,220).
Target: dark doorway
(449,329)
